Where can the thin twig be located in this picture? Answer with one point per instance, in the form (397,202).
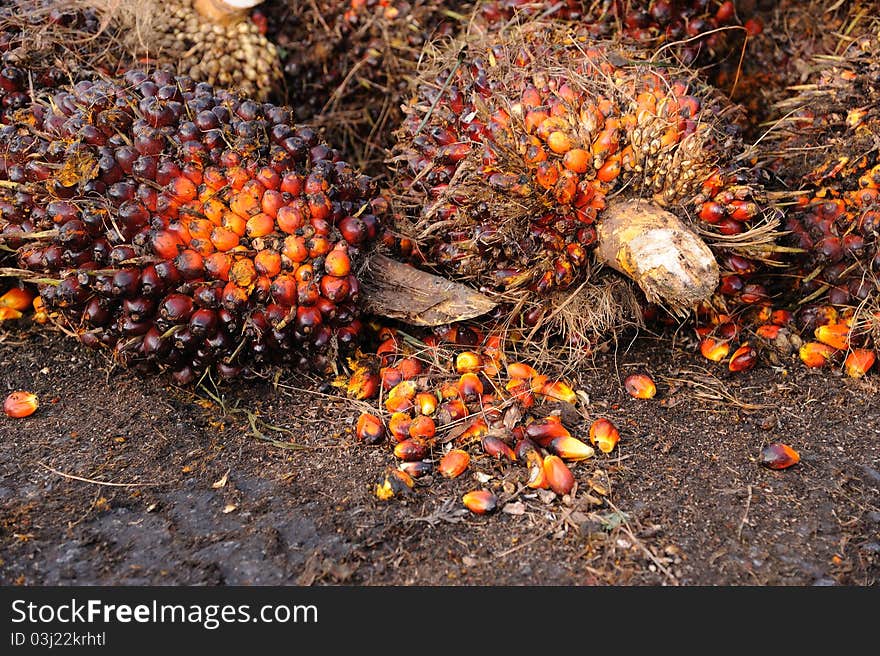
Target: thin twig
(94,482)
(745,514)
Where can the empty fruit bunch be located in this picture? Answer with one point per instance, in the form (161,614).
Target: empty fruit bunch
(551,170)
(183,226)
(347,63)
(835,215)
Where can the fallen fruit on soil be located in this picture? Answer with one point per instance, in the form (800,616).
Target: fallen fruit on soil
(604,435)
(480,501)
(640,386)
(558,475)
(20,404)
(395,482)
(453,463)
(778,456)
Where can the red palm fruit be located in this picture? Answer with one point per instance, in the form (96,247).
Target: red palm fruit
(545,430)
(390,376)
(450,411)
(468,362)
(835,335)
(769,331)
(604,435)
(859,361)
(559,391)
(497,448)
(558,475)
(470,386)
(714,349)
(743,359)
(411,449)
(369,429)
(426,403)
(537,476)
(570,448)
(409,368)
(778,456)
(521,392)
(480,502)
(449,390)
(399,426)
(816,354)
(20,404)
(423,428)
(640,386)
(17,298)
(454,463)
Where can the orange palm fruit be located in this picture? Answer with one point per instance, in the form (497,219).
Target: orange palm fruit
(409,368)
(20,404)
(778,456)
(834,334)
(411,449)
(399,426)
(537,476)
(369,429)
(468,362)
(8,313)
(543,431)
(520,370)
(640,386)
(470,386)
(570,448)
(480,501)
(416,468)
(559,391)
(17,298)
(816,354)
(426,403)
(453,463)
(423,428)
(394,482)
(859,361)
(559,476)
(363,384)
(604,434)
(714,349)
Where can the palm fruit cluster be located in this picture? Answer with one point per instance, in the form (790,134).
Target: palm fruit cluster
(827,151)
(694,29)
(207,40)
(526,151)
(348,62)
(455,398)
(185,227)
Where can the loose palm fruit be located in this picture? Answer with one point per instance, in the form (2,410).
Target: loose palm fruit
(559,476)
(859,361)
(20,404)
(482,153)
(480,501)
(713,349)
(570,448)
(395,482)
(496,447)
(744,358)
(640,386)
(816,354)
(604,435)
(778,456)
(369,429)
(123,223)
(17,298)
(453,463)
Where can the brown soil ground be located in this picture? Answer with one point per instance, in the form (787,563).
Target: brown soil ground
(688,503)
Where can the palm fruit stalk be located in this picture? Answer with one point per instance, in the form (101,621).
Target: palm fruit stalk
(827,151)
(552,171)
(184,227)
(348,63)
(453,400)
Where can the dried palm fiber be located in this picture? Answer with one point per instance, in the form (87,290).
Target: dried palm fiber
(209,40)
(184,227)
(347,63)
(826,151)
(783,39)
(534,159)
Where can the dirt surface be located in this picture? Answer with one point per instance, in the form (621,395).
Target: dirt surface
(270,487)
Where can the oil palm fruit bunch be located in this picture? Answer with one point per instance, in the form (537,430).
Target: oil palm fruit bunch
(827,151)
(572,180)
(694,30)
(184,227)
(347,63)
(209,40)
(454,398)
